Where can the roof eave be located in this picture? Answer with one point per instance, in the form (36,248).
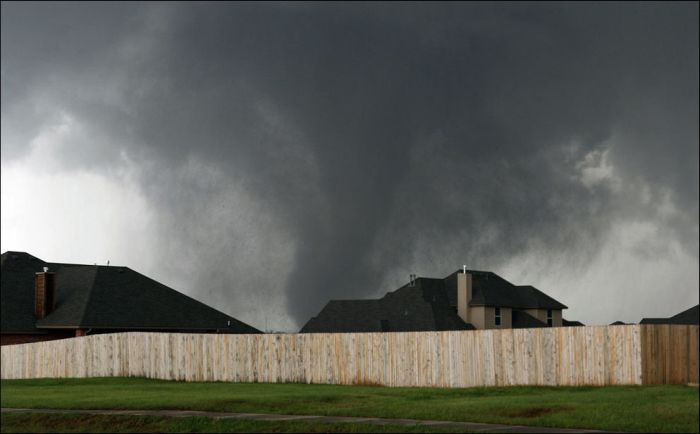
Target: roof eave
(23,332)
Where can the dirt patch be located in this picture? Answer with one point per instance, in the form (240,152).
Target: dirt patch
(82,423)
(539,411)
(531,412)
(367,383)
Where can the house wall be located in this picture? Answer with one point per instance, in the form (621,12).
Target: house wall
(556,318)
(477,316)
(484,317)
(464,295)
(19,338)
(541,314)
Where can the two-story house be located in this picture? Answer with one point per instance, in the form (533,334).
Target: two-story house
(464,300)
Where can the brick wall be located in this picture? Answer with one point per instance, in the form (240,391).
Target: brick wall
(13,339)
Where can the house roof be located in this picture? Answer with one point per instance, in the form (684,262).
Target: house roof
(423,307)
(106,297)
(431,304)
(566,323)
(490,289)
(689,316)
(347,316)
(523,320)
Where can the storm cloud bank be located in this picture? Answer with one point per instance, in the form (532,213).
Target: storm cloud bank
(296,153)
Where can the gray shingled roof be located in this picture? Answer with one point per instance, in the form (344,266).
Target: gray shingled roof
(690,316)
(16,304)
(347,316)
(523,320)
(102,297)
(566,323)
(618,323)
(423,307)
(490,289)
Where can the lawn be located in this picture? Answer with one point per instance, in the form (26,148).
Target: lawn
(622,408)
(146,424)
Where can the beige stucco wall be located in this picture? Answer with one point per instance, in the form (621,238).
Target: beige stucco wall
(541,314)
(477,316)
(484,317)
(464,295)
(556,318)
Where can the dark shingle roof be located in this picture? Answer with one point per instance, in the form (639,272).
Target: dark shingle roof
(654,321)
(423,307)
(690,316)
(347,316)
(566,323)
(523,320)
(490,289)
(90,296)
(16,305)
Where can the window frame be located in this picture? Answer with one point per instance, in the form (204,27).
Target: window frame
(497,317)
(550,317)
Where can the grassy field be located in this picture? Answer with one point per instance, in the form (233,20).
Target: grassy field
(624,408)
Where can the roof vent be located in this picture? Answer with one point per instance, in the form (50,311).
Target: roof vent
(46,269)
(412,280)
(464,269)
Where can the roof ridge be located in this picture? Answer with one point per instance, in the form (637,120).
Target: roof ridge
(89,298)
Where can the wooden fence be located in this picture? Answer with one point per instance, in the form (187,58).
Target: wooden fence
(605,355)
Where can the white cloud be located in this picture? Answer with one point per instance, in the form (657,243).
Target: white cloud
(596,170)
(78,217)
(619,283)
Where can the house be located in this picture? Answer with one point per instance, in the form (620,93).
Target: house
(464,300)
(689,317)
(47,300)
(566,323)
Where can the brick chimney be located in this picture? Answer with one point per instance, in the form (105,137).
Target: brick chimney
(464,294)
(44,293)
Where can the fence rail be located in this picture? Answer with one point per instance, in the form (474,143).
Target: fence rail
(599,355)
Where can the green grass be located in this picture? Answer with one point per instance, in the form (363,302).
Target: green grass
(622,408)
(39,423)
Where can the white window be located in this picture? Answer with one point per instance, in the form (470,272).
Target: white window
(498,316)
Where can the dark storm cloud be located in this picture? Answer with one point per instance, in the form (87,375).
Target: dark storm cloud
(368,127)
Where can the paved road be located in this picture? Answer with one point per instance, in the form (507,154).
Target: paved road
(467,426)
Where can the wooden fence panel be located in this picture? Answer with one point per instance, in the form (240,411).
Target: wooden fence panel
(601,355)
(669,354)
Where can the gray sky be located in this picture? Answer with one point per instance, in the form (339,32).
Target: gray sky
(265,158)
